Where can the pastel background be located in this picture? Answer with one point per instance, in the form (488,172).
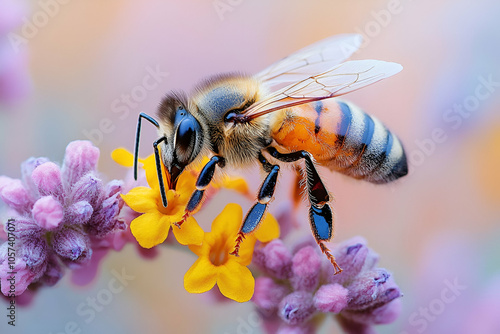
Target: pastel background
(437,227)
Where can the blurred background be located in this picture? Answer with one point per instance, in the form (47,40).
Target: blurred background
(85,69)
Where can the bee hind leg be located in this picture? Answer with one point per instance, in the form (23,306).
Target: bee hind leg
(256,213)
(320,212)
(204,179)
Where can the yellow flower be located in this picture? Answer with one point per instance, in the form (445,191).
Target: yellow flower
(152,227)
(216,266)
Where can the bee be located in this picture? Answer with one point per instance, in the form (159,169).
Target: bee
(287,113)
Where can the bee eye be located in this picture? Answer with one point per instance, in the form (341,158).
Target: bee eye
(185,135)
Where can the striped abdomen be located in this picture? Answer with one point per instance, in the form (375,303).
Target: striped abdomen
(342,137)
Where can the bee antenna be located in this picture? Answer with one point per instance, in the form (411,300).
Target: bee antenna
(138,135)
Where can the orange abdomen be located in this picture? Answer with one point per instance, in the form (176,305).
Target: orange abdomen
(342,137)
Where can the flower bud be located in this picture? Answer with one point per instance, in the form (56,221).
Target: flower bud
(352,256)
(268,294)
(104,220)
(72,244)
(331,298)
(375,287)
(296,308)
(113,187)
(78,213)
(26,228)
(19,281)
(47,179)
(275,259)
(15,195)
(384,314)
(81,157)
(27,168)
(306,265)
(48,212)
(88,188)
(33,251)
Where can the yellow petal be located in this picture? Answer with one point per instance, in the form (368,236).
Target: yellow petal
(246,250)
(186,182)
(201,277)
(268,229)
(236,183)
(236,281)
(198,249)
(228,222)
(123,157)
(190,232)
(150,229)
(142,199)
(152,175)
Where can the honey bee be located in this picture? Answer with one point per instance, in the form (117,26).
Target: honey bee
(286,113)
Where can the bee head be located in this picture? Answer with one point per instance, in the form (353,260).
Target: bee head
(183,133)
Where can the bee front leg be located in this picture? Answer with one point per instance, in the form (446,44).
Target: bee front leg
(256,213)
(320,213)
(204,179)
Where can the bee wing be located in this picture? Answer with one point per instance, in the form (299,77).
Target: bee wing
(314,58)
(339,80)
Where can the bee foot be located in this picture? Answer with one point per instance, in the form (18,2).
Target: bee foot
(330,257)
(179,223)
(239,239)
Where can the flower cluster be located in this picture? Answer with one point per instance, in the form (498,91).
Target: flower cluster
(57,215)
(215,266)
(68,217)
(297,288)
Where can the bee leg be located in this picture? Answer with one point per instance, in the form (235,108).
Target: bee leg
(254,216)
(204,179)
(297,188)
(159,171)
(320,213)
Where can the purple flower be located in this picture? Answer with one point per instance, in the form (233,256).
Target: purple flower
(60,214)
(120,236)
(296,308)
(299,287)
(274,260)
(331,298)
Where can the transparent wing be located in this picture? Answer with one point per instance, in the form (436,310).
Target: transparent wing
(312,59)
(339,80)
